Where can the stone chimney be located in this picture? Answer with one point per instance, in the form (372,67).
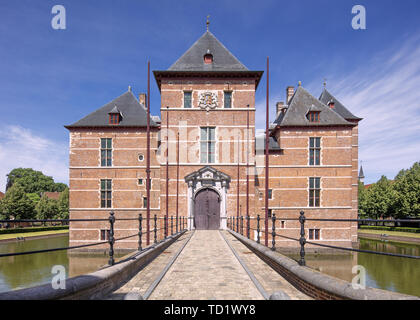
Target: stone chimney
(290,91)
(142,99)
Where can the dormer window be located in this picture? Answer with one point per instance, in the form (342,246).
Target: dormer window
(331,104)
(115,116)
(313,116)
(208,58)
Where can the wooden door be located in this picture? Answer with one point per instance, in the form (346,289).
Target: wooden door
(207,210)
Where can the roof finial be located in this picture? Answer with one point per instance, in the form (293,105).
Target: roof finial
(325,82)
(300,83)
(208,22)
(129,88)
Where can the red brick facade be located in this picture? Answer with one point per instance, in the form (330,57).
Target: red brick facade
(289,168)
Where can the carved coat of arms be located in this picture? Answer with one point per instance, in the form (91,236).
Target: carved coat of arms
(207,100)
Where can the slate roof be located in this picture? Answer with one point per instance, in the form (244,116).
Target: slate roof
(273,144)
(193,58)
(300,104)
(133,114)
(338,106)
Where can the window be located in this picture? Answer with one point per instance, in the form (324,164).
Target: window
(314,192)
(142,182)
(106,193)
(314,234)
(270,194)
(144,202)
(283,224)
(187,99)
(270,213)
(228,99)
(141,157)
(114,118)
(314,151)
(208,58)
(104,234)
(313,116)
(207,145)
(106,152)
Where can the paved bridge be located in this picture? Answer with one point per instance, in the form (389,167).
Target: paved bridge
(208,265)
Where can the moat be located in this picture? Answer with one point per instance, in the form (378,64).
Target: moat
(384,272)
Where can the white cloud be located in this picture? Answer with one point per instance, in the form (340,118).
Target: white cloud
(385,92)
(22,148)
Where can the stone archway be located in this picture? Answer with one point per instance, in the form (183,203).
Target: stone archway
(212,179)
(207,210)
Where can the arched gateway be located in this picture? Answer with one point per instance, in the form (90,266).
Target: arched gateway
(207,210)
(207,189)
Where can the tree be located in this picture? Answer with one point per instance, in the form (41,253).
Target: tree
(63,205)
(34,197)
(407,192)
(33,181)
(362,200)
(16,204)
(46,208)
(60,187)
(379,199)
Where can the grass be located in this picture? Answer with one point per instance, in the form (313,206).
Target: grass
(391,233)
(31,234)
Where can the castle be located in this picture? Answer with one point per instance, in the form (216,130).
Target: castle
(205,146)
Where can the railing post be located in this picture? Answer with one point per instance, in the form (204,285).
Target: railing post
(242,225)
(273,233)
(176,224)
(258,228)
(111,238)
(155,219)
(172,225)
(165,227)
(302,239)
(140,230)
(237,224)
(247,226)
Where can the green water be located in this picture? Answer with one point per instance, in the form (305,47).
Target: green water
(34,269)
(383,272)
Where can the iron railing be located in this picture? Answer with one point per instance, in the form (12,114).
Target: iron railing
(179,223)
(238,223)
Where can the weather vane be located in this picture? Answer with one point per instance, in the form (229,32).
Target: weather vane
(208,22)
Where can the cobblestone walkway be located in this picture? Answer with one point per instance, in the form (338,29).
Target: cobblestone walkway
(206,270)
(142,280)
(269,279)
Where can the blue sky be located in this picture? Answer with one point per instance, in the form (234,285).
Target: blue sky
(49,78)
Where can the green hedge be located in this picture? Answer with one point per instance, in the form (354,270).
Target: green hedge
(31,229)
(400,229)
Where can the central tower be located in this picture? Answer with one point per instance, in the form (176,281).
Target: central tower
(208,105)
